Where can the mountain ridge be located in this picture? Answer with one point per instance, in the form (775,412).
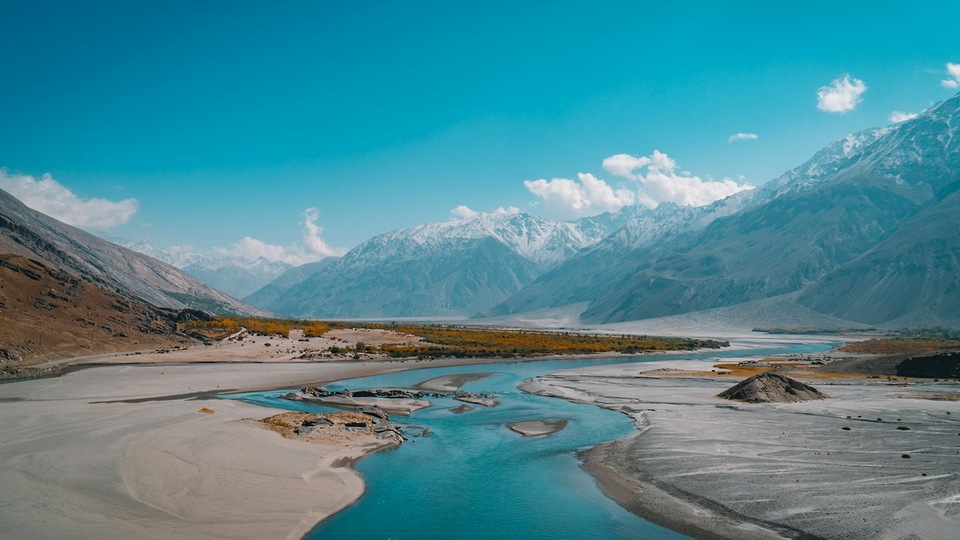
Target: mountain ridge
(452,268)
(784,237)
(33,235)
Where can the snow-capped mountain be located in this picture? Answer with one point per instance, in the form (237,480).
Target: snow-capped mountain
(860,231)
(236,276)
(452,268)
(539,240)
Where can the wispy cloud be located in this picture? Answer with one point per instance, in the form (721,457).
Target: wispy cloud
(465,212)
(897,116)
(661,182)
(843,95)
(953,76)
(313,248)
(585,196)
(52,198)
(742,137)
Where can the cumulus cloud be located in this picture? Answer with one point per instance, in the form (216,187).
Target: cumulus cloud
(52,198)
(896,116)
(464,212)
(661,182)
(841,96)
(586,196)
(313,248)
(953,76)
(743,137)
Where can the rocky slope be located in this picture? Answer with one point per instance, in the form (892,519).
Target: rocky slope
(49,314)
(71,251)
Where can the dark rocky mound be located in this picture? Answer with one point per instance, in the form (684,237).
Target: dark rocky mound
(944,365)
(771,387)
(931,365)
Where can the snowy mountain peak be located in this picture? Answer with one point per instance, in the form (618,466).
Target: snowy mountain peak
(929,142)
(540,240)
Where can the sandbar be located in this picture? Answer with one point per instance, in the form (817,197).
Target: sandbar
(537,428)
(451,383)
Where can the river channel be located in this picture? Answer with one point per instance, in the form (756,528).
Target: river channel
(473,478)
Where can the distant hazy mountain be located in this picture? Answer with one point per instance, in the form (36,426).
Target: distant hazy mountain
(71,251)
(453,268)
(268,293)
(866,229)
(235,276)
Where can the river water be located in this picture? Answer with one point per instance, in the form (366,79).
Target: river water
(472,478)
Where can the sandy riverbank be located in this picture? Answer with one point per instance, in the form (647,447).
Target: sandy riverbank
(830,469)
(132,451)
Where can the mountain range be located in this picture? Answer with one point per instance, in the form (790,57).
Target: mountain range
(450,269)
(865,232)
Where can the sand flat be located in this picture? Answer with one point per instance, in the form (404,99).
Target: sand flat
(714,468)
(106,452)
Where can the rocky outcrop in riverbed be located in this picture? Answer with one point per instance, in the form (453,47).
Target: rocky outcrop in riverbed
(338,428)
(400,401)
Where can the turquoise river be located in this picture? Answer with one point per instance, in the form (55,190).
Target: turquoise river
(472,478)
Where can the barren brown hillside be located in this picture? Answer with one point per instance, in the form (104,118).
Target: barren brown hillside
(47,314)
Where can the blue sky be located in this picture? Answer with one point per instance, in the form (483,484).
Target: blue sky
(202,123)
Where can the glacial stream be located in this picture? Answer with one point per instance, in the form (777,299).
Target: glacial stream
(472,477)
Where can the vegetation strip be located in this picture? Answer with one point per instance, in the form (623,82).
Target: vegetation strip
(460,341)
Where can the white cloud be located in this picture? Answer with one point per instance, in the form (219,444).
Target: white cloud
(896,116)
(953,76)
(660,181)
(313,248)
(841,96)
(743,137)
(313,242)
(586,196)
(52,198)
(463,212)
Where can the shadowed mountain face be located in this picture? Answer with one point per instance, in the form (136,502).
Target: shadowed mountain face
(866,231)
(132,275)
(911,277)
